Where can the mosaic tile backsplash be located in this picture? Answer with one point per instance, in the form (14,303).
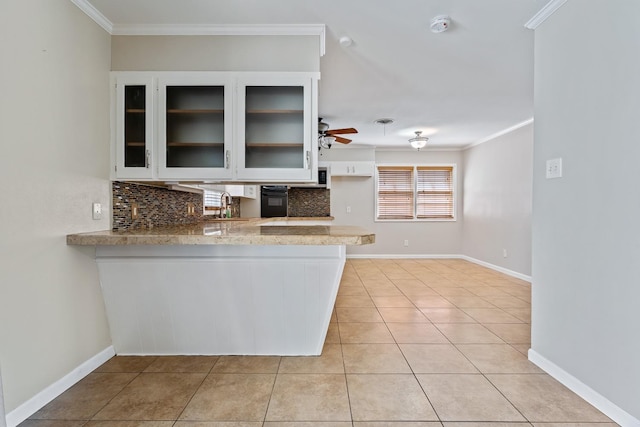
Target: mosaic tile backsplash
(159,206)
(309,202)
(156,206)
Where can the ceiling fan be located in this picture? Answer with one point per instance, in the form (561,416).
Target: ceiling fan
(326,136)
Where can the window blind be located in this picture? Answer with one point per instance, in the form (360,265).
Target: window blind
(434,188)
(395,193)
(212,199)
(415,192)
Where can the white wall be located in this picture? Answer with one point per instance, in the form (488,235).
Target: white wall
(54,130)
(3,420)
(216,53)
(425,237)
(586,225)
(497,200)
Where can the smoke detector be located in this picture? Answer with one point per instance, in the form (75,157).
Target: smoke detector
(345,41)
(440,24)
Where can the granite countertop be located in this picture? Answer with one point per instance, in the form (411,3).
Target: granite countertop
(238,231)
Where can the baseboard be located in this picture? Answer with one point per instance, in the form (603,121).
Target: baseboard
(38,401)
(400,256)
(600,402)
(443,256)
(497,268)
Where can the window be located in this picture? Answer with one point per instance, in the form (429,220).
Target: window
(212,201)
(415,193)
(434,188)
(395,193)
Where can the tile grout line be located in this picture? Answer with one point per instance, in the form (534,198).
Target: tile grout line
(273,387)
(196,390)
(415,377)
(121,390)
(479,372)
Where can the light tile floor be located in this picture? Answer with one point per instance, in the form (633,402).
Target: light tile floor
(423,342)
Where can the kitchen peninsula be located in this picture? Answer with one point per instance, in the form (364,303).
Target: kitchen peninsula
(252,287)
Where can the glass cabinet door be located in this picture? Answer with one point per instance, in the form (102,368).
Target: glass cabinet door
(134,127)
(194,129)
(274,127)
(201,126)
(274,135)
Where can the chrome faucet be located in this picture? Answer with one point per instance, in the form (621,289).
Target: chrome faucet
(225,202)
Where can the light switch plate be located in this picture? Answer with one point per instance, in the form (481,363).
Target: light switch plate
(554,168)
(97,211)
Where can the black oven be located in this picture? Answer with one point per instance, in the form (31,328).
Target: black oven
(322,177)
(274,200)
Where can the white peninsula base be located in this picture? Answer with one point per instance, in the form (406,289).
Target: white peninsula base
(220,299)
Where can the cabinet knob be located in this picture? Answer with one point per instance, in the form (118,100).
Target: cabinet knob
(308,159)
(227,159)
(147,160)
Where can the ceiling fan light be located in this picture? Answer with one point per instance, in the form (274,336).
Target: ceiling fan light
(327,141)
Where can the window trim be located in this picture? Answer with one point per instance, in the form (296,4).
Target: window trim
(415,166)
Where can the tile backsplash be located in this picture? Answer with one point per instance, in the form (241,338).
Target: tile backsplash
(159,206)
(156,206)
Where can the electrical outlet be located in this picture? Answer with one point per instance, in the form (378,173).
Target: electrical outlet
(348,209)
(504,253)
(134,210)
(97,211)
(406,242)
(191,209)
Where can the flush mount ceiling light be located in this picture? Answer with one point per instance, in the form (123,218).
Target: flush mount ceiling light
(440,24)
(419,141)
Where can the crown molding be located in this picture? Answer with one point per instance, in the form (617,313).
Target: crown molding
(544,13)
(425,149)
(499,133)
(94,14)
(202,29)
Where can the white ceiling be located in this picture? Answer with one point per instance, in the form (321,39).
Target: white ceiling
(459,87)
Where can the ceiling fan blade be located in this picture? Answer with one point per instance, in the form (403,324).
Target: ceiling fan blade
(341,131)
(341,139)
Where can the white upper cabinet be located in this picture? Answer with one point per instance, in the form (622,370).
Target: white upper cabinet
(195,126)
(276,127)
(246,191)
(358,168)
(225,126)
(132,110)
